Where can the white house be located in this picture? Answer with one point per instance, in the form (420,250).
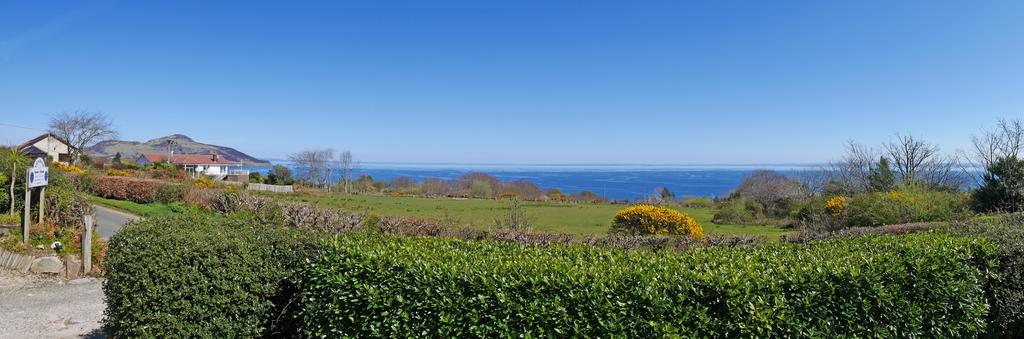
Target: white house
(197,164)
(47,145)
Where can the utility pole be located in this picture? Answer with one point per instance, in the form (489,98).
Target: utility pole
(170,150)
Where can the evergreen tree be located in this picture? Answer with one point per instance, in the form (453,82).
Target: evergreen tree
(1003,187)
(666,194)
(881,178)
(280,175)
(117,158)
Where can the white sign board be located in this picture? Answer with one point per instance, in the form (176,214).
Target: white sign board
(39,174)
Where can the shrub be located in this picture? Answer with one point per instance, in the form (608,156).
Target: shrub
(383,286)
(204,182)
(836,206)
(199,276)
(118,173)
(481,189)
(81,182)
(774,192)
(66,208)
(698,202)
(809,235)
(655,220)
(1003,187)
(70,169)
(141,191)
(739,210)
(201,197)
(320,219)
(1006,294)
(10,219)
(515,217)
(170,192)
(904,206)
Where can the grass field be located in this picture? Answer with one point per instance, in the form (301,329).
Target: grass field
(555,217)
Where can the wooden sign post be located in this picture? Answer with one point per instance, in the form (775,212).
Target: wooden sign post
(38,176)
(87,244)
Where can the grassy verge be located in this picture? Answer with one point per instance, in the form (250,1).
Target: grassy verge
(151,210)
(582,219)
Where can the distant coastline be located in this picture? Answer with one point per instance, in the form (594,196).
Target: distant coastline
(616,182)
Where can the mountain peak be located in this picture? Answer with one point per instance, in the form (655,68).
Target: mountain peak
(175,137)
(182,145)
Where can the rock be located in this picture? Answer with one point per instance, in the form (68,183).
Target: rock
(47,265)
(72,267)
(40,247)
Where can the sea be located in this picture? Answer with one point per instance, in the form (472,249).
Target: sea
(616,182)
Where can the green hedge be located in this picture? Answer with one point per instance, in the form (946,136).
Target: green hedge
(916,285)
(199,276)
(1006,294)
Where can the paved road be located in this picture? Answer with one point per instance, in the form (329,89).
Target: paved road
(110,221)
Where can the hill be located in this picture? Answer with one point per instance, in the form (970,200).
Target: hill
(181,144)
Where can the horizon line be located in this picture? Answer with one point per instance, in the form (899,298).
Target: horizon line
(801,164)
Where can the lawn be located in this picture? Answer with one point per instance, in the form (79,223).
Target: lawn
(143,210)
(580,219)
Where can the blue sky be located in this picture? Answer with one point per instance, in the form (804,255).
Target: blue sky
(544,82)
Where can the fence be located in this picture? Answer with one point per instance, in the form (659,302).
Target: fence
(14,261)
(271,188)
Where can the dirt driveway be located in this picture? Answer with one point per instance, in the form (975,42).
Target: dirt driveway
(39,307)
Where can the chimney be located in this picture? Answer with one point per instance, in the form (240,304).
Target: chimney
(215,156)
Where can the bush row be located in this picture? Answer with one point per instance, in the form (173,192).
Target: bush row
(233,276)
(203,275)
(907,205)
(200,276)
(376,285)
(819,235)
(1006,294)
(137,190)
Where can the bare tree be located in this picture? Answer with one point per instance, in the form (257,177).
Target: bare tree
(910,155)
(314,165)
(917,161)
(81,129)
(850,172)
(1006,141)
(403,182)
(945,173)
(772,190)
(346,170)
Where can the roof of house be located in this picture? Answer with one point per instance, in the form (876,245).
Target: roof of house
(41,137)
(188,159)
(31,150)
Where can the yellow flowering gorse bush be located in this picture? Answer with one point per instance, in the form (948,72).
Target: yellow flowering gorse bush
(900,196)
(119,173)
(836,206)
(68,168)
(204,182)
(655,220)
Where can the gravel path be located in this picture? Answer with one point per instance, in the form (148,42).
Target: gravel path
(41,307)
